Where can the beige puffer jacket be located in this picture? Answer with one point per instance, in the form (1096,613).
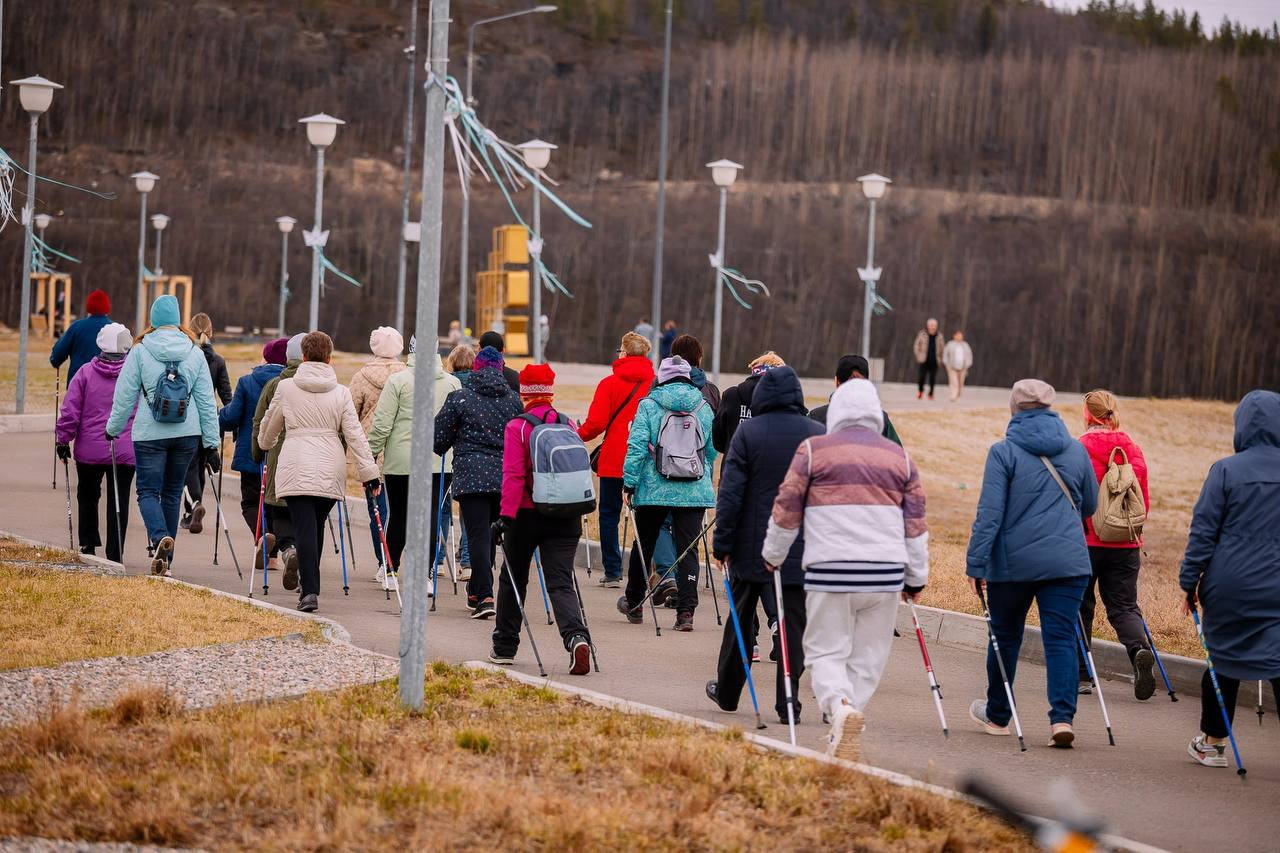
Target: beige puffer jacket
(318,414)
(366,387)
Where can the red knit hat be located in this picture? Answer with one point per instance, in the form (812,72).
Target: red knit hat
(537,380)
(98,303)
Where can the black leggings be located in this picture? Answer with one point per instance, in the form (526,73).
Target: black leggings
(89,479)
(396,527)
(926,371)
(1211,715)
(479,512)
(309,513)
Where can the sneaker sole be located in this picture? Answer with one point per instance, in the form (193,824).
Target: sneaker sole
(482,614)
(1144,680)
(160,561)
(1062,740)
(197,520)
(502,661)
(989,728)
(1200,759)
(290,579)
(849,741)
(581,660)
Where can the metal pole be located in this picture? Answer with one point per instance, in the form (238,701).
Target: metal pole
(159,241)
(415,573)
(715,342)
(535,320)
(868,295)
(465,236)
(284,279)
(656,308)
(24,318)
(403,263)
(141,319)
(313,318)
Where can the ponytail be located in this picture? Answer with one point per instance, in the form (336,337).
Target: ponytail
(1102,407)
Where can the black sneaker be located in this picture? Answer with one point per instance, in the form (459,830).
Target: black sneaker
(713,693)
(610,583)
(666,589)
(579,656)
(88,549)
(484,610)
(196,524)
(1144,681)
(309,603)
(684,621)
(502,660)
(634,616)
(291,568)
(185,522)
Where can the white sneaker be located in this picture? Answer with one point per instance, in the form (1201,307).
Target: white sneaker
(846,730)
(380,574)
(390,581)
(978,713)
(464,574)
(1208,754)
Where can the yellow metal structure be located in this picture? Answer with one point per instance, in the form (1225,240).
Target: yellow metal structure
(45,316)
(159,285)
(502,293)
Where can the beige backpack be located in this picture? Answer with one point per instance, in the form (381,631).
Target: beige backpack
(1121,511)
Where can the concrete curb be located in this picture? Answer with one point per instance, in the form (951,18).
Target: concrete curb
(332,631)
(93,564)
(40,422)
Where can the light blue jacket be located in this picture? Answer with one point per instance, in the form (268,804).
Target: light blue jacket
(640,473)
(143,367)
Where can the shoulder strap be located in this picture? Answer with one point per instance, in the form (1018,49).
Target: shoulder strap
(533,419)
(1058,479)
(618,411)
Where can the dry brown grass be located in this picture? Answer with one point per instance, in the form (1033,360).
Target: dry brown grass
(488,765)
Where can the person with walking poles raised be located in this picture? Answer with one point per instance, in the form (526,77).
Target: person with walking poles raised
(311,415)
(858,497)
(927,349)
(166,379)
(957,358)
(386,344)
(854,367)
(546,489)
(1231,571)
(612,409)
(1114,537)
(79,343)
(472,423)
(667,471)
(735,405)
(202,328)
(758,460)
(82,421)
(1028,544)
(278,524)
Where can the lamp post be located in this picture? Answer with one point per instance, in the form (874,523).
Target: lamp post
(873,187)
(42,221)
(402,262)
(321,130)
(159,222)
(35,94)
(285,224)
(144,183)
(723,174)
(471,102)
(537,154)
(656,307)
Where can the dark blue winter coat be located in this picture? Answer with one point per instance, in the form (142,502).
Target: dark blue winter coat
(237,416)
(1233,551)
(759,456)
(1025,529)
(78,343)
(473,423)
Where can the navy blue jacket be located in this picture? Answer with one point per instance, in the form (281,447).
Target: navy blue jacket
(1025,529)
(78,343)
(473,423)
(237,416)
(1233,551)
(759,456)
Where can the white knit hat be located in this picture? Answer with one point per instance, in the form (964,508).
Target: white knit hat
(386,342)
(114,338)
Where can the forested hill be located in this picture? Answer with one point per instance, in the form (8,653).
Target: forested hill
(1094,197)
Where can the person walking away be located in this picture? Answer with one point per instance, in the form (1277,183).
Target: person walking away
(202,328)
(455,333)
(1028,544)
(854,367)
(645,329)
(495,340)
(750,476)
(311,474)
(366,386)
(79,344)
(957,358)
(928,352)
(552,530)
(669,335)
(1231,569)
(278,524)
(83,421)
(612,409)
(735,405)
(237,418)
(459,363)
(165,378)
(1115,560)
(472,423)
(667,471)
(391,437)
(690,349)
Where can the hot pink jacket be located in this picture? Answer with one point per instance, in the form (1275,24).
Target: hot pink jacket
(517,465)
(1100,442)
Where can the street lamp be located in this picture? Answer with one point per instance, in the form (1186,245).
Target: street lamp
(537,154)
(35,94)
(143,182)
(655,308)
(285,224)
(723,174)
(471,102)
(321,130)
(159,222)
(873,187)
(402,262)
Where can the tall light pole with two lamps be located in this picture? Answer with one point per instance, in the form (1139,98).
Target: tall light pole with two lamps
(723,174)
(537,154)
(322,129)
(873,187)
(144,183)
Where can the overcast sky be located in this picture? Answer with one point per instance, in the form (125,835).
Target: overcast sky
(1251,13)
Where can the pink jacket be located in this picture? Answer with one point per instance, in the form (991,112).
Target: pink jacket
(517,465)
(1101,442)
(84,413)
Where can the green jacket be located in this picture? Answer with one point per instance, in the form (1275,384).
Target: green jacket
(640,474)
(391,435)
(273,456)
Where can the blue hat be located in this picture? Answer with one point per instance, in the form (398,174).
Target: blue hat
(164,312)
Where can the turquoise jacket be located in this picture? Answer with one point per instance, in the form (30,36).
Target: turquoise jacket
(640,474)
(143,367)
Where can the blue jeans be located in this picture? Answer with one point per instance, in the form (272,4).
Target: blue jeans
(464,553)
(610,516)
(1058,601)
(162,470)
(373,522)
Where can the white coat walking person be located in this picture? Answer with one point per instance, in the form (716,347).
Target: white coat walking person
(957,358)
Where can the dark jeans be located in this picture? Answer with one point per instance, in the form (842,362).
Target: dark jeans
(194,484)
(384,510)
(928,372)
(1210,714)
(1058,601)
(1115,575)
(610,517)
(308,513)
(250,484)
(556,540)
(479,512)
(88,489)
(686,524)
(397,495)
(162,469)
(730,676)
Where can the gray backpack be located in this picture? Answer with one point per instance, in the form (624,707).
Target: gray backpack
(681,450)
(562,482)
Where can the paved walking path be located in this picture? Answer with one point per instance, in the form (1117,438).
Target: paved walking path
(1146,787)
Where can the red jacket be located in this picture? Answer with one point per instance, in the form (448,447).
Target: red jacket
(1100,442)
(628,371)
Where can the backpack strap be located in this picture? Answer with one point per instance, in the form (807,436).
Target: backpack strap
(1124,457)
(618,411)
(1053,471)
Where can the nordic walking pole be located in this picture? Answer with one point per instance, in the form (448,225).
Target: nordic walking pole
(259,529)
(591,644)
(524,617)
(1260,710)
(391,569)
(66,471)
(57,405)
(742,648)
(1004,675)
(219,523)
(435,557)
(115,490)
(706,562)
(342,544)
(1093,674)
(328,519)
(786,658)
(1173,697)
(346,515)
(589,565)
(644,565)
(542,584)
(222,525)
(649,595)
(928,668)
(1217,690)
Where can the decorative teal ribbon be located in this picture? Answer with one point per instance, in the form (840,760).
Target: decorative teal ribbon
(7,160)
(329,265)
(40,251)
(728,275)
(880,306)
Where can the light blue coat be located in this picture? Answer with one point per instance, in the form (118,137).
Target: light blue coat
(143,367)
(640,473)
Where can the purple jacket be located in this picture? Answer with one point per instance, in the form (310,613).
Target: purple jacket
(84,414)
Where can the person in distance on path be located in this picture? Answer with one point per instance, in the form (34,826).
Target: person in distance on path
(386,344)
(854,367)
(927,349)
(957,358)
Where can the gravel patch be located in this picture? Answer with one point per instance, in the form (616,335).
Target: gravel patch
(51,845)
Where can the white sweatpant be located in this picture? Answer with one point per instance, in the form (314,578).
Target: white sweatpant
(846,644)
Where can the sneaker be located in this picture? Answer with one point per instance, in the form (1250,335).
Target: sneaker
(846,730)
(257,552)
(161,556)
(671,603)
(88,549)
(309,603)
(665,590)
(1208,754)
(782,718)
(755,654)
(464,574)
(197,519)
(1061,736)
(392,585)
(380,574)
(484,610)
(635,617)
(919,395)
(978,713)
(502,660)
(684,621)
(1084,688)
(1144,681)
(291,568)
(713,693)
(185,522)
(579,656)
(610,583)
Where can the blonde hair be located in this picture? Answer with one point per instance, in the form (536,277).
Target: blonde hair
(633,344)
(770,359)
(202,326)
(461,357)
(1102,407)
(149,329)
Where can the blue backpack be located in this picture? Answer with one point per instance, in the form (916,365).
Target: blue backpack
(170,396)
(562,482)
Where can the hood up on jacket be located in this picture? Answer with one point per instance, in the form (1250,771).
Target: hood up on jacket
(167,344)
(1258,420)
(490,382)
(779,391)
(854,404)
(315,377)
(1040,432)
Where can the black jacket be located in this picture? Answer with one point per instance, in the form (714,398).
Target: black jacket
(758,459)
(819,414)
(735,407)
(218,373)
(472,423)
(513,378)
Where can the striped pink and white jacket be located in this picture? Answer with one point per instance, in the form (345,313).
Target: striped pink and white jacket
(860,501)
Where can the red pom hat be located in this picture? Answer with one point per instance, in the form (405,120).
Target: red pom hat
(537,380)
(98,302)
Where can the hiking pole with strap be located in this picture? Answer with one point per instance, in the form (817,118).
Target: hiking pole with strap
(390,573)
(591,644)
(706,562)
(260,529)
(665,575)
(1160,664)
(524,617)
(542,584)
(742,648)
(1004,675)
(644,566)
(1217,690)
(1093,676)
(66,471)
(346,515)
(786,658)
(221,524)
(115,491)
(934,688)
(57,404)
(342,545)
(589,559)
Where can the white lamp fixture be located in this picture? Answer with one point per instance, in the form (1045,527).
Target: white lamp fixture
(35,93)
(413,232)
(543,9)
(321,129)
(43,220)
(536,153)
(286,223)
(724,172)
(874,185)
(159,221)
(145,182)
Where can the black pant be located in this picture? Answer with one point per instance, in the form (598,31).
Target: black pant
(1211,714)
(1115,575)
(556,540)
(194,483)
(686,524)
(88,489)
(396,527)
(250,484)
(479,512)
(730,676)
(927,370)
(308,513)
